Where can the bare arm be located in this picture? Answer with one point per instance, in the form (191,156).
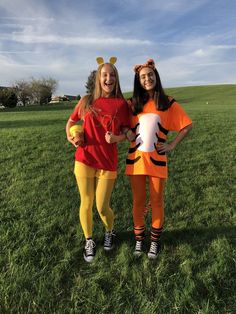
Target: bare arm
(164,148)
(126,135)
(112,138)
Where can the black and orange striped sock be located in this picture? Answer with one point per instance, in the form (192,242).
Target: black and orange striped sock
(156,234)
(139,233)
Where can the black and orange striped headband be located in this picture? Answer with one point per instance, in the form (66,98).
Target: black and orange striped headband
(150,64)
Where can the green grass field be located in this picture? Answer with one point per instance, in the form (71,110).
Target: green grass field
(41,242)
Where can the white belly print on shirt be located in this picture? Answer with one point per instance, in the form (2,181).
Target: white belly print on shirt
(147,130)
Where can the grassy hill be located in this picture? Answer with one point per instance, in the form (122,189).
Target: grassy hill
(42,268)
(200,93)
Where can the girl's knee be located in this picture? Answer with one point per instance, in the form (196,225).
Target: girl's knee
(103,210)
(157,204)
(157,200)
(139,203)
(86,206)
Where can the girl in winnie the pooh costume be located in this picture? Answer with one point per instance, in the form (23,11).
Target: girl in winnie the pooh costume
(105,117)
(154,114)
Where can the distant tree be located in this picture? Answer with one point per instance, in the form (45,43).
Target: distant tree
(8,97)
(42,90)
(90,84)
(23,91)
(35,91)
(78,97)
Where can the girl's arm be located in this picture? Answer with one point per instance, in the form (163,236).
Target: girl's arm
(112,138)
(126,135)
(165,148)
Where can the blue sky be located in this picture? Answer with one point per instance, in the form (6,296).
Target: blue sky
(192,42)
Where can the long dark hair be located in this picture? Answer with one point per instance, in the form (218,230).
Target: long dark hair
(141,96)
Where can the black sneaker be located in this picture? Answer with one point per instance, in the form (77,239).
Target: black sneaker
(138,248)
(155,248)
(108,240)
(89,250)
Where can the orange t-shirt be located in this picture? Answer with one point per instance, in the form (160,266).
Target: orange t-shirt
(152,126)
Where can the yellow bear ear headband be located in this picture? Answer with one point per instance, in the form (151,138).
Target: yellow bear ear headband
(100,60)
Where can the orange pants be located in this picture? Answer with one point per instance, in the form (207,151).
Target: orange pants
(156,194)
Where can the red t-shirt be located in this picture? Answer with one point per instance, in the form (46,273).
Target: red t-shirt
(108,114)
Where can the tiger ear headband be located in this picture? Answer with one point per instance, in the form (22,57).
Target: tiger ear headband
(150,64)
(100,60)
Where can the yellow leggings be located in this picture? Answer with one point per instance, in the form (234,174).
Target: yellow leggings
(94,183)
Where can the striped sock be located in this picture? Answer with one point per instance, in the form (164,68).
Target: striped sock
(139,233)
(156,234)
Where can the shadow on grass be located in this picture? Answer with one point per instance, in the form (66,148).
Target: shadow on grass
(197,237)
(49,107)
(29,123)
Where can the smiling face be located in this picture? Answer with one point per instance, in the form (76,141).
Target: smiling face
(147,79)
(107,80)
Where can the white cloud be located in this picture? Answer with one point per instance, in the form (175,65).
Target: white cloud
(41,38)
(200,53)
(55,39)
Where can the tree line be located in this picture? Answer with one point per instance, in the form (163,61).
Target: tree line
(36,91)
(33,91)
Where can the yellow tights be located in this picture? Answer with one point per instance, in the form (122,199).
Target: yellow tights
(101,189)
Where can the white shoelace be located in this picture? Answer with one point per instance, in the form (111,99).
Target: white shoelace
(108,238)
(153,247)
(138,246)
(89,246)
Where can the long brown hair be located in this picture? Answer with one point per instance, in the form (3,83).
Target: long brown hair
(141,96)
(86,103)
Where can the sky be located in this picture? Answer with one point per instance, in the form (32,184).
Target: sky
(192,42)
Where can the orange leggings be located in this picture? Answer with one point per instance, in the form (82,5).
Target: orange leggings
(156,194)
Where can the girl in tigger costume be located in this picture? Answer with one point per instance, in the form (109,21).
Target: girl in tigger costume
(154,114)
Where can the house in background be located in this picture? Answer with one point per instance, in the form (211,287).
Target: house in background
(57,99)
(4,87)
(70,97)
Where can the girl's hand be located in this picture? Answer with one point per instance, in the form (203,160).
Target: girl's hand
(110,137)
(165,148)
(71,140)
(130,135)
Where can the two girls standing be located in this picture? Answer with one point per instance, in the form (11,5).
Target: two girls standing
(106,120)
